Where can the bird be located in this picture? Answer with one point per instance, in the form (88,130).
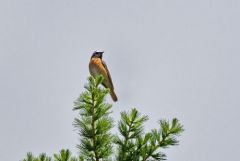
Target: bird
(98,67)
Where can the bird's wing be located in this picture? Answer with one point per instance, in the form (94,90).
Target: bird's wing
(108,74)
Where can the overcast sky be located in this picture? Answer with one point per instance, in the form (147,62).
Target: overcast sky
(167,58)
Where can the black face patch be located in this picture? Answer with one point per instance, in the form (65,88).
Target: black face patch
(97,54)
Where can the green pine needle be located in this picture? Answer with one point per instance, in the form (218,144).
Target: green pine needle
(94,125)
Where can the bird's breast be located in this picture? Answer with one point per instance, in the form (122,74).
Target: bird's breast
(94,70)
(96,67)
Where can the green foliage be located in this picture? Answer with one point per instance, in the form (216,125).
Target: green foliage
(41,157)
(93,122)
(30,157)
(136,146)
(97,143)
(64,155)
(130,127)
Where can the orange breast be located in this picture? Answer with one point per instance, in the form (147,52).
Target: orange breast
(96,67)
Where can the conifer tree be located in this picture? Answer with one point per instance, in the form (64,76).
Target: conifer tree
(98,144)
(93,122)
(64,155)
(134,145)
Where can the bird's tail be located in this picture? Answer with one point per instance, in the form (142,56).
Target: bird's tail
(113,95)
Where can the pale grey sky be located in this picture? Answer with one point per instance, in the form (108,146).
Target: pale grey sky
(168,58)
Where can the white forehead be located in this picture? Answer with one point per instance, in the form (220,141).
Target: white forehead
(99,51)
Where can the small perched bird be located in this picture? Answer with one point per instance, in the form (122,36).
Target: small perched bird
(98,67)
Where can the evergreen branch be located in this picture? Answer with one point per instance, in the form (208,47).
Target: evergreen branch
(130,127)
(162,138)
(94,123)
(64,155)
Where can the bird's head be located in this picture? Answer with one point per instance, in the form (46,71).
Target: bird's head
(97,54)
